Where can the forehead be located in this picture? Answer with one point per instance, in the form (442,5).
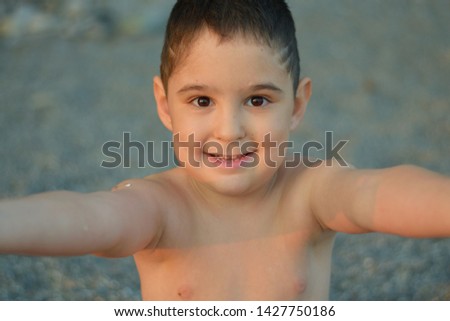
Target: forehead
(227,62)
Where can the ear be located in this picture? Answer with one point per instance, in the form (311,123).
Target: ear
(302,96)
(161,102)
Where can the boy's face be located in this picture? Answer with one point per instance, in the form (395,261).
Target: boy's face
(233,104)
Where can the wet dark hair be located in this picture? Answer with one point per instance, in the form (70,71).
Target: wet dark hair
(268,22)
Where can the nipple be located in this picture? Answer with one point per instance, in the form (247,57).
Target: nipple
(185,292)
(299,286)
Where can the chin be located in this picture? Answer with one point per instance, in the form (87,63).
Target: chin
(237,184)
(229,177)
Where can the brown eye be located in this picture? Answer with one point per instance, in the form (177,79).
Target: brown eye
(257,101)
(202,101)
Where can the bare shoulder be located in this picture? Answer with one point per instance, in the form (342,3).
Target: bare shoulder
(171,184)
(305,178)
(298,184)
(138,185)
(142,211)
(310,190)
(176,201)
(162,184)
(163,190)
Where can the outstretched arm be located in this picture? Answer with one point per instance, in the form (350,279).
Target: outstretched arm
(69,223)
(404,200)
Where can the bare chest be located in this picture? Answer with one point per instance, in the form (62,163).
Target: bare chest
(279,267)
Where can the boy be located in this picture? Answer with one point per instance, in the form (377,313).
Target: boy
(233,221)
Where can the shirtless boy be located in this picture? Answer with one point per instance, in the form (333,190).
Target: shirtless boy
(230,223)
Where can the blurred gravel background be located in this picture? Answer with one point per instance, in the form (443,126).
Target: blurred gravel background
(75,74)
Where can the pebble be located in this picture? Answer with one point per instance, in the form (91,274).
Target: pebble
(83,19)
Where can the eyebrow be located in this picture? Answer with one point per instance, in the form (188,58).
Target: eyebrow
(191,87)
(263,86)
(266,86)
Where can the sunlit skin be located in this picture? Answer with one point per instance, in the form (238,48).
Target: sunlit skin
(235,92)
(237,242)
(230,232)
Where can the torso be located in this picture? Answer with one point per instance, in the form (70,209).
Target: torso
(276,253)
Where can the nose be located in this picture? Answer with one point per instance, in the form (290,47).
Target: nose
(230,124)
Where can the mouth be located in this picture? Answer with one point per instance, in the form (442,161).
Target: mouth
(229,161)
(228,157)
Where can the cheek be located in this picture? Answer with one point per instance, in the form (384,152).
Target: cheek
(273,138)
(187,124)
(187,145)
(277,127)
